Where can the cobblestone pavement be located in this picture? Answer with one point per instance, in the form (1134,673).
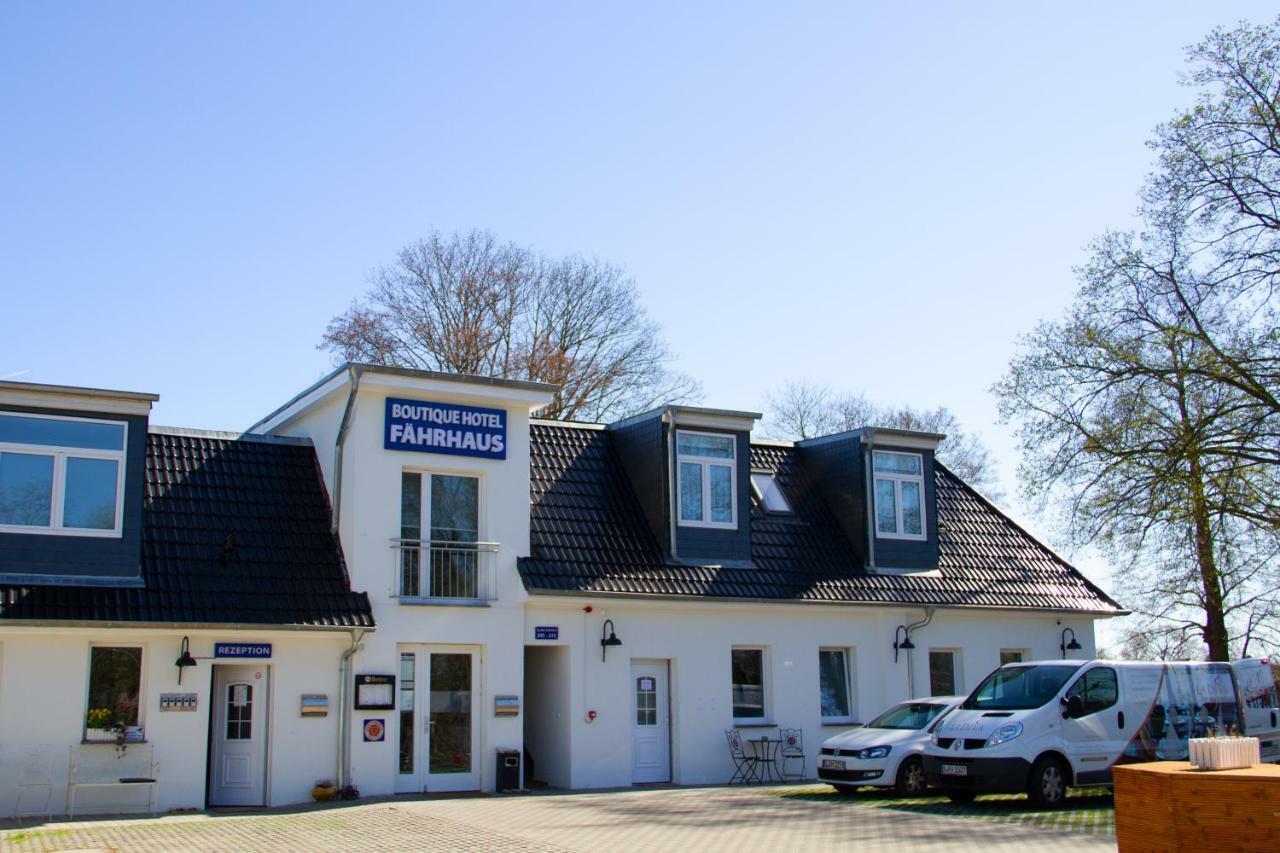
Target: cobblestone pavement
(709,819)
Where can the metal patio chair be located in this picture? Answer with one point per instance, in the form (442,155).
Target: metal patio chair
(35,775)
(744,765)
(792,750)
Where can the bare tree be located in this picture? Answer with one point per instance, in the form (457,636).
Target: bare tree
(466,303)
(1149,417)
(801,410)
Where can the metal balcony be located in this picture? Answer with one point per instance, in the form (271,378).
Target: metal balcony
(430,571)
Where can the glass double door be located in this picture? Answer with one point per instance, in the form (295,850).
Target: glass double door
(436,709)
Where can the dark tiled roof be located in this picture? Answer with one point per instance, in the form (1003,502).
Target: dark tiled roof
(235,531)
(589,537)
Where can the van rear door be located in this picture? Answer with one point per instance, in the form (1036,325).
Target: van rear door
(1259,703)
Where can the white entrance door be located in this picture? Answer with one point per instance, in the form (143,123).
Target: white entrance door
(239,738)
(439,736)
(650,722)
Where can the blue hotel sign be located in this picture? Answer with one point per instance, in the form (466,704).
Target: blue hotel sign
(242,650)
(445,428)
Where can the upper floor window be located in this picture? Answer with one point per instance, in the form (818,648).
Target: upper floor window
(706,477)
(61,475)
(899,494)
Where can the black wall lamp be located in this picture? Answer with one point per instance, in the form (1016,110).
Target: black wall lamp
(906,641)
(607,638)
(1072,646)
(184,659)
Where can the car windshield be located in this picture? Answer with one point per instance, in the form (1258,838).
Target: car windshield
(908,715)
(1019,688)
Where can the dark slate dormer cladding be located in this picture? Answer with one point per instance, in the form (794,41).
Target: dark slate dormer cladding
(722,545)
(235,532)
(589,537)
(839,465)
(640,444)
(69,559)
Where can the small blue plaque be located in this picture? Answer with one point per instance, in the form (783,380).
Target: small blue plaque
(242,650)
(546,632)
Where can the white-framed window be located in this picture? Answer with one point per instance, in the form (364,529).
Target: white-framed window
(1014,656)
(113,704)
(769,493)
(706,479)
(61,475)
(748,665)
(899,494)
(835,680)
(944,672)
(439,535)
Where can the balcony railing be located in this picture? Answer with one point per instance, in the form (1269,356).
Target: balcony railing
(446,572)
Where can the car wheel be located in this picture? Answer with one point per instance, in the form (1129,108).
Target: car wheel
(959,796)
(911,782)
(1047,784)
(847,790)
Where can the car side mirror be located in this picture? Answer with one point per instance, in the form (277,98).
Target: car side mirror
(1072,707)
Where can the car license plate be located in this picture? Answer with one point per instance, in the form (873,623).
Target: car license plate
(955,770)
(832,764)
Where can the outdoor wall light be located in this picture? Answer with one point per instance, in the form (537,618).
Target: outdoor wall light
(607,638)
(904,644)
(1072,646)
(185,659)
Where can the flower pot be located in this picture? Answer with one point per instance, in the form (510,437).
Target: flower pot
(323,793)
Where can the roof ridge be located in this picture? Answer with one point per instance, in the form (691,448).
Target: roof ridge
(227,435)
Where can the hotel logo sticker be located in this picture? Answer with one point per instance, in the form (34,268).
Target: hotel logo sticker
(375,731)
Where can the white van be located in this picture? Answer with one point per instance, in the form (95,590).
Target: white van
(1043,726)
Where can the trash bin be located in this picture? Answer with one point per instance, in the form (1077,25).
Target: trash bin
(508,776)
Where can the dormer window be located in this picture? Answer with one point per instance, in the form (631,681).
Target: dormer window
(899,494)
(770,495)
(706,479)
(61,475)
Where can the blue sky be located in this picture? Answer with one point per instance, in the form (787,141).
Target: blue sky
(878,197)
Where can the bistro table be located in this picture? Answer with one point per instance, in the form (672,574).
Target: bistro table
(766,755)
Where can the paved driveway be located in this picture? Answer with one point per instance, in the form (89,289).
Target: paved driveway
(726,819)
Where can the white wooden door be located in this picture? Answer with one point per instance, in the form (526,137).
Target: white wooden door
(650,722)
(239,749)
(439,735)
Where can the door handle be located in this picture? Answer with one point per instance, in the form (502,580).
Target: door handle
(1120,720)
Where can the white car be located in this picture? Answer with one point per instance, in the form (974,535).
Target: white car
(885,753)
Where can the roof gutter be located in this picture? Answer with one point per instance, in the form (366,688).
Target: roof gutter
(354,370)
(117,624)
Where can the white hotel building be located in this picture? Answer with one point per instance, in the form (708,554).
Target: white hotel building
(428,575)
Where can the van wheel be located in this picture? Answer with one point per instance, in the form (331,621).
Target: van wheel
(847,790)
(911,781)
(1047,784)
(960,796)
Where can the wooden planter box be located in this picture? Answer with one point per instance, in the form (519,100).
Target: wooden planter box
(1171,806)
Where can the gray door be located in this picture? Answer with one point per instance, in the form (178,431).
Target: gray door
(238,754)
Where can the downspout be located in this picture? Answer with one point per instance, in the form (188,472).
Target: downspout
(669,418)
(344,718)
(911,669)
(338,444)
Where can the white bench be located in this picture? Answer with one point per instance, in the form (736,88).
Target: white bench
(102,766)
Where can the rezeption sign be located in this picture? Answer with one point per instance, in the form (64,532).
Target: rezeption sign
(445,428)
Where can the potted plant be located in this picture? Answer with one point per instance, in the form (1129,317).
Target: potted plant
(323,791)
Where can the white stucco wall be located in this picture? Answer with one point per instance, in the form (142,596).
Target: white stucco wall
(44,684)
(697,640)
(370,519)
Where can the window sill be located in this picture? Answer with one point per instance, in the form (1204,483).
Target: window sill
(84,742)
(415,601)
(835,724)
(754,724)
